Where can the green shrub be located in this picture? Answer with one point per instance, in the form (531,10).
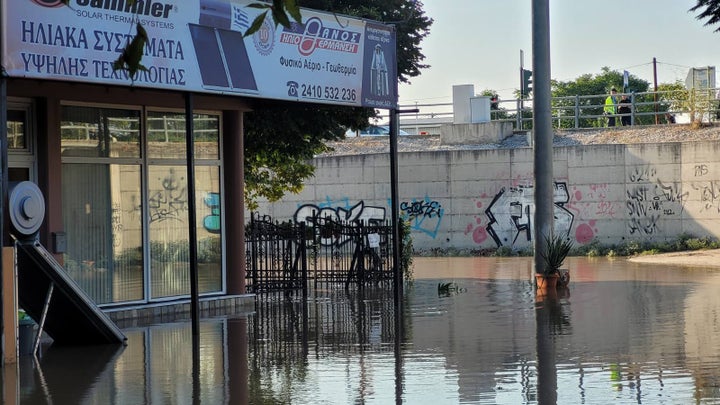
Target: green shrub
(504,251)
(407,250)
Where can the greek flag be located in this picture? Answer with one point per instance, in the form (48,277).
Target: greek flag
(240,20)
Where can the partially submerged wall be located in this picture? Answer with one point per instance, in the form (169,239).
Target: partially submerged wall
(472,199)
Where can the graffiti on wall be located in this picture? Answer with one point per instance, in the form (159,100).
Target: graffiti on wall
(708,190)
(170,202)
(511,213)
(590,203)
(477,229)
(709,195)
(314,213)
(424,215)
(649,199)
(211,222)
(117,225)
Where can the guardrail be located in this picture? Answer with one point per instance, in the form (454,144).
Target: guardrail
(575,112)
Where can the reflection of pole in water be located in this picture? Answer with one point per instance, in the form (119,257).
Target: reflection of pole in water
(196,392)
(379,73)
(546,370)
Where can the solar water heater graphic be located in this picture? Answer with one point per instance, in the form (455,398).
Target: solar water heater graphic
(223,59)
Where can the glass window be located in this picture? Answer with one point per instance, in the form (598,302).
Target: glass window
(166,135)
(16,129)
(102,220)
(209,249)
(127,220)
(100,132)
(169,230)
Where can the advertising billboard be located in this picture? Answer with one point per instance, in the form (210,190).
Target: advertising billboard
(198,45)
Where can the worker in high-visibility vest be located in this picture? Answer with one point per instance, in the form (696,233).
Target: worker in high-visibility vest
(610,108)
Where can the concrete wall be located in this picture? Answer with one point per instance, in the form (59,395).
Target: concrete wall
(484,198)
(475,134)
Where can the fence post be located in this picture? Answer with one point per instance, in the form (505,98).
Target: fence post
(519,123)
(577,111)
(632,108)
(253,252)
(303,261)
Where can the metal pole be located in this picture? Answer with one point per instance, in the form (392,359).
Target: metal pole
(521,103)
(395,209)
(3,166)
(542,127)
(655,100)
(43,317)
(3,182)
(577,111)
(3,162)
(190,145)
(395,215)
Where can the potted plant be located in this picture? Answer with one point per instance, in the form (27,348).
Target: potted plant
(556,250)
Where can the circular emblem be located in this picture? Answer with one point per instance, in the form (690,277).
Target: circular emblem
(49,3)
(264,38)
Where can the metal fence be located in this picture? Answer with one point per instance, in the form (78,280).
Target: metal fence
(575,112)
(349,252)
(275,255)
(283,255)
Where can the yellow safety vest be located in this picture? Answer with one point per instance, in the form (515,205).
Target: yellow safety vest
(610,106)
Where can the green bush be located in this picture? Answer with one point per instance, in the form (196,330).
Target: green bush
(406,254)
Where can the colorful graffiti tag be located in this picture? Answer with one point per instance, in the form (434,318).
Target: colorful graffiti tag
(312,213)
(211,222)
(424,215)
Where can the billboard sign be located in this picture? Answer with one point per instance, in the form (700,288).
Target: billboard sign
(198,45)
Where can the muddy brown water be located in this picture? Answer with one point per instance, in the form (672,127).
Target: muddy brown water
(621,333)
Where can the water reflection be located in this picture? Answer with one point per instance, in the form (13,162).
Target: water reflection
(622,333)
(155,367)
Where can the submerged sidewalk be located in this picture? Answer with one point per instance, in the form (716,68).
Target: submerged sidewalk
(695,258)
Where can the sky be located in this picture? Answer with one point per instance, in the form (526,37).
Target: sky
(478,42)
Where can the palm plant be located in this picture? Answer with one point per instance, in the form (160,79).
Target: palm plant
(557,249)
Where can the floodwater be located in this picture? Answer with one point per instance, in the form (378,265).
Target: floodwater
(623,333)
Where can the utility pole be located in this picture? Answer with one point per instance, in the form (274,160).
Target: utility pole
(542,128)
(522,96)
(655,98)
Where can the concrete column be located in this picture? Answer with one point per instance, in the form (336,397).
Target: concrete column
(233,163)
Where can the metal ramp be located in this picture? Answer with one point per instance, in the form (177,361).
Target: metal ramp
(57,303)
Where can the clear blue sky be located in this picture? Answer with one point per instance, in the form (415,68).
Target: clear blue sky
(479,41)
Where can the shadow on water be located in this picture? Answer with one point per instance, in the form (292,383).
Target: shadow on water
(621,333)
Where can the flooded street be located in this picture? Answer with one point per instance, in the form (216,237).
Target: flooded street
(622,333)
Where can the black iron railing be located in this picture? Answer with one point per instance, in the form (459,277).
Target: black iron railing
(283,255)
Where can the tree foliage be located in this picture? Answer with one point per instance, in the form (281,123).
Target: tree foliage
(281,138)
(600,83)
(589,84)
(708,10)
(496,111)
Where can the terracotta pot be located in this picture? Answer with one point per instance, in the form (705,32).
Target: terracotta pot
(564,280)
(548,282)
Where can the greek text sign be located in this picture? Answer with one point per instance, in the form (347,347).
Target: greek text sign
(198,45)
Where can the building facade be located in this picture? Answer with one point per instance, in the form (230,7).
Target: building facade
(108,148)
(112,165)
